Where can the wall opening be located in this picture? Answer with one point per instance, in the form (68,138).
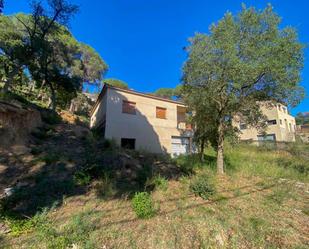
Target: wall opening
(128,143)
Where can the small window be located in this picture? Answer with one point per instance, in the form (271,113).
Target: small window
(243,126)
(281,121)
(128,107)
(290,126)
(272,122)
(268,137)
(128,143)
(160,112)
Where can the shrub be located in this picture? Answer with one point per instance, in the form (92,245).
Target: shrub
(51,158)
(142,205)
(81,178)
(50,117)
(201,186)
(160,183)
(105,187)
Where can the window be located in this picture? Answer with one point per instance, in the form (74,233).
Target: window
(160,112)
(290,127)
(272,122)
(128,107)
(284,109)
(268,137)
(242,126)
(281,121)
(128,143)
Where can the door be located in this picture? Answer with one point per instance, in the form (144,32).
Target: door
(180,145)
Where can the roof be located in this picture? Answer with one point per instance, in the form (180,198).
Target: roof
(131,92)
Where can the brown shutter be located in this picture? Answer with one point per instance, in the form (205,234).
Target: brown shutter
(161,112)
(128,107)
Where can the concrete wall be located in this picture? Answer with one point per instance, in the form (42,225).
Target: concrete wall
(284,130)
(150,133)
(99,113)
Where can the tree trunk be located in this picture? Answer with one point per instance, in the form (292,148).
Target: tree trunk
(52,99)
(5,88)
(202,158)
(220,158)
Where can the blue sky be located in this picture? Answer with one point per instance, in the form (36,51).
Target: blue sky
(142,41)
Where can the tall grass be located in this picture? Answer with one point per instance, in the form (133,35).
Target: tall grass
(275,163)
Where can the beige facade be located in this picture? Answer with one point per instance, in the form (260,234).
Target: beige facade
(303,132)
(158,135)
(281,125)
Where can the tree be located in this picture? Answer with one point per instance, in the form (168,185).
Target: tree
(245,59)
(44,47)
(170,93)
(12,52)
(302,118)
(165,92)
(116,83)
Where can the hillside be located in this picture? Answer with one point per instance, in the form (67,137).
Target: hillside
(72,189)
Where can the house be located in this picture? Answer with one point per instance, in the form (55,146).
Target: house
(142,121)
(303,132)
(281,126)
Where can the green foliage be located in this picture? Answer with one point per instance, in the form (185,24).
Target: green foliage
(160,182)
(51,158)
(81,178)
(105,188)
(42,45)
(302,118)
(116,83)
(245,59)
(50,117)
(170,93)
(19,225)
(202,186)
(76,232)
(143,205)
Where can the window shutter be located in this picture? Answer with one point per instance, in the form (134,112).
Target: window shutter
(128,107)
(161,112)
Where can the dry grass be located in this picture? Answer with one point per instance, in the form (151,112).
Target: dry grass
(258,204)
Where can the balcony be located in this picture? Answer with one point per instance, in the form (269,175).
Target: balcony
(182,123)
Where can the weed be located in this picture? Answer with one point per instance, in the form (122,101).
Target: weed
(105,187)
(50,117)
(143,205)
(51,158)
(201,186)
(75,234)
(81,178)
(160,183)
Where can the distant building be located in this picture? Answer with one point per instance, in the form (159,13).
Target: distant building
(303,132)
(281,125)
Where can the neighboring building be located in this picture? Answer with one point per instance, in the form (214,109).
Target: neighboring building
(303,132)
(281,125)
(142,121)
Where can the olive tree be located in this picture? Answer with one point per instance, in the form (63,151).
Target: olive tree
(244,59)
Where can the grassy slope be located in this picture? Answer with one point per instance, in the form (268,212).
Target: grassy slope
(262,202)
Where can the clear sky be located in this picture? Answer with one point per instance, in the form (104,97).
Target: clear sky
(142,41)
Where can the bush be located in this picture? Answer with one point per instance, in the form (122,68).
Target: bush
(160,183)
(202,187)
(50,117)
(105,187)
(81,178)
(142,205)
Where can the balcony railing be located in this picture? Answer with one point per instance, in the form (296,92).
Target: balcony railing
(184,126)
